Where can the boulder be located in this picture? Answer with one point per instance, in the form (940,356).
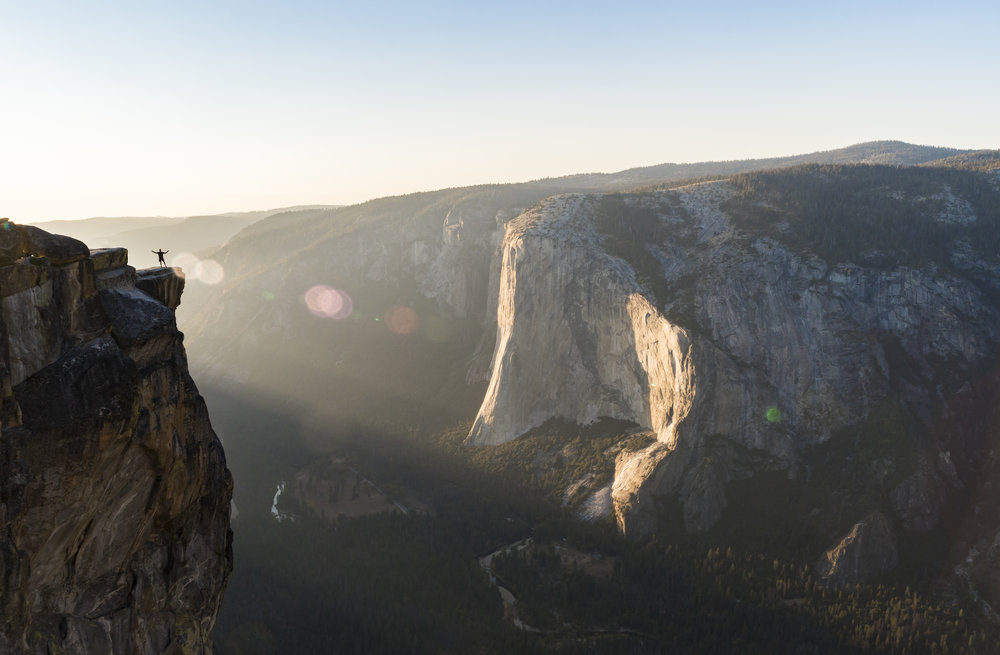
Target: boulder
(144,328)
(107,258)
(116,278)
(58,249)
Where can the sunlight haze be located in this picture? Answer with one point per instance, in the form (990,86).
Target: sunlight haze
(190,108)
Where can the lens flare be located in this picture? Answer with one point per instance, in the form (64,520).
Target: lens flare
(773,415)
(189,266)
(402,320)
(327,302)
(209,271)
(185,262)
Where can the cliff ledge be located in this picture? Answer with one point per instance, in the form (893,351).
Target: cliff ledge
(114,492)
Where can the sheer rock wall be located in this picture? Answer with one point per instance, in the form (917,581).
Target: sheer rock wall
(756,353)
(115,497)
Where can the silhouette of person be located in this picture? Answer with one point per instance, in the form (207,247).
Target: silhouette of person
(160,254)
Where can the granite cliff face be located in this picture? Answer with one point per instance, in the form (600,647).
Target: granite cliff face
(742,353)
(596,343)
(115,497)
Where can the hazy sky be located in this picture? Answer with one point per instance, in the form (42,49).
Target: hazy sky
(175,108)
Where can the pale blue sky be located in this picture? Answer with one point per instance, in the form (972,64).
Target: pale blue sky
(177,108)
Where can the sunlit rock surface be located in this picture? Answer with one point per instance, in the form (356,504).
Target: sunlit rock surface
(568,322)
(115,497)
(752,353)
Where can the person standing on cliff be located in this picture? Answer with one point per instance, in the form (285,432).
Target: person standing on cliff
(160,254)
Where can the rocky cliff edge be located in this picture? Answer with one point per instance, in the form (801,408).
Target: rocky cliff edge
(114,492)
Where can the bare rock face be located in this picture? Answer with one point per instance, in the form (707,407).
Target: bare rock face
(56,248)
(749,353)
(115,497)
(576,340)
(862,555)
(164,284)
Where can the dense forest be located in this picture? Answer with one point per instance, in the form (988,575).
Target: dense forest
(872,214)
(393,582)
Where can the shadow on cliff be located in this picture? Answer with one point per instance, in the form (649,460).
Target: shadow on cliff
(263,441)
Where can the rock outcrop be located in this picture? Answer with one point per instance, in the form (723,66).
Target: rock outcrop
(115,497)
(862,555)
(577,340)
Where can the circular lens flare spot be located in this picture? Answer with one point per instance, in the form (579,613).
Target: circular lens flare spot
(327,302)
(773,415)
(209,271)
(185,263)
(402,320)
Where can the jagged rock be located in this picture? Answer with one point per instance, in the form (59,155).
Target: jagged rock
(56,248)
(143,327)
(164,284)
(114,493)
(862,555)
(113,272)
